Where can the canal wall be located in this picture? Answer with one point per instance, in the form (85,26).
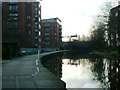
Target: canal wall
(49,75)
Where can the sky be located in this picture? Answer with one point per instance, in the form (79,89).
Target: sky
(76,15)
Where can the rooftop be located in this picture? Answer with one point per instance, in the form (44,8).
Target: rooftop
(51,20)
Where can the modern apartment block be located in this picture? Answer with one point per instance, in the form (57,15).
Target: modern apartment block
(51,34)
(114,27)
(20,27)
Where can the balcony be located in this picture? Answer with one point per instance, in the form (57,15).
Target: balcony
(13,3)
(36,30)
(13,10)
(60,27)
(47,34)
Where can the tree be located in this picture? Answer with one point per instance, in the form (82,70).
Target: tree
(99,34)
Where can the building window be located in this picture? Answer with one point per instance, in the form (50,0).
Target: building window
(47,39)
(36,37)
(28,25)
(47,30)
(36,45)
(29,32)
(28,17)
(39,12)
(39,26)
(11,2)
(47,34)
(39,40)
(13,25)
(36,9)
(36,27)
(36,23)
(46,24)
(39,33)
(116,14)
(36,30)
(13,15)
(13,8)
(47,44)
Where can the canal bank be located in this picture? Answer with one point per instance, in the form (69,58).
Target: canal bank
(107,54)
(28,72)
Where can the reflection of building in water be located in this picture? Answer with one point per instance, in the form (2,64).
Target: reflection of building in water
(73,62)
(114,74)
(54,65)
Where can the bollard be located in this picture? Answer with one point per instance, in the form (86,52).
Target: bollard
(38,54)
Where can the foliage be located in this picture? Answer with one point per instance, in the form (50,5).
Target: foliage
(100,29)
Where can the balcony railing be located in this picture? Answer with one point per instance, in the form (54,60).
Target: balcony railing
(13,3)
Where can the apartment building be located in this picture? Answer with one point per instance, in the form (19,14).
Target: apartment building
(114,27)
(20,27)
(51,34)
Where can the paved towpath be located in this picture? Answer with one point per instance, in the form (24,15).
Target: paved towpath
(28,72)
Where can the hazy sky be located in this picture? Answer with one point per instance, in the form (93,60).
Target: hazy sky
(76,15)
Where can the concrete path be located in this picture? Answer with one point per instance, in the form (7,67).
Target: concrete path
(28,72)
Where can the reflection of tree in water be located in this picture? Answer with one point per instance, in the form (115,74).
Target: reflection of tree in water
(107,71)
(98,65)
(114,74)
(99,68)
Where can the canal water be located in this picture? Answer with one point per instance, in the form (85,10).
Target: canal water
(84,70)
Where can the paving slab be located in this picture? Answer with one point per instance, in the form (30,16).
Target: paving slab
(24,72)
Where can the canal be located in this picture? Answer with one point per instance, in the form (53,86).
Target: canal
(84,70)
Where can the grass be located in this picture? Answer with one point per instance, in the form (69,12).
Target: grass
(28,53)
(108,54)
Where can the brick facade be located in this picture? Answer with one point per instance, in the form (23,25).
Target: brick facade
(20,25)
(51,33)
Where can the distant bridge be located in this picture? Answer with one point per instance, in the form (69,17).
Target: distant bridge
(71,37)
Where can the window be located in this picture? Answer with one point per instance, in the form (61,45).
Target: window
(36,30)
(39,33)
(13,2)
(47,44)
(29,32)
(116,14)
(47,34)
(36,37)
(28,25)
(36,23)
(47,30)
(13,8)
(36,9)
(36,19)
(13,25)
(28,17)
(39,26)
(36,26)
(13,15)
(39,12)
(47,39)
(36,45)
(47,25)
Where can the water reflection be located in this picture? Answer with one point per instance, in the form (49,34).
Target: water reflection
(54,64)
(85,71)
(114,74)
